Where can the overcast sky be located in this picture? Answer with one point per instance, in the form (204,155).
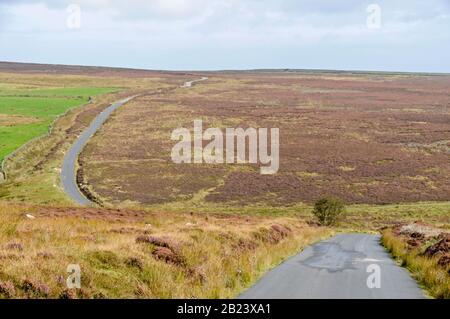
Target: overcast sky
(413,35)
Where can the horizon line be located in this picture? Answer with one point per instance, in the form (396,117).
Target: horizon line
(261,70)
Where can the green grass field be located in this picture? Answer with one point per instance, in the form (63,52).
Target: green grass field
(26,113)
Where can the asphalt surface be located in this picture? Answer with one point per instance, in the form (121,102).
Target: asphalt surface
(338,269)
(69,167)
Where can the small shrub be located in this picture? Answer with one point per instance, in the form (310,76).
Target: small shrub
(104,259)
(134,262)
(45,255)
(68,294)
(272,235)
(159,241)
(7,289)
(14,246)
(169,256)
(35,289)
(244,244)
(283,231)
(328,210)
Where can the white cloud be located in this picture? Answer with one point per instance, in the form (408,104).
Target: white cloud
(232,30)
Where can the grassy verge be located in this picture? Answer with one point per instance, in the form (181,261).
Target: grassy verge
(34,170)
(27,114)
(135,254)
(425,270)
(367,218)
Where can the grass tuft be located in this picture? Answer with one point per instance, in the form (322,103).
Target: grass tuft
(425,270)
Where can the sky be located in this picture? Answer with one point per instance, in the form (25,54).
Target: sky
(379,35)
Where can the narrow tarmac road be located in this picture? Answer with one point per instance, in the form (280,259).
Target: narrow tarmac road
(338,268)
(69,167)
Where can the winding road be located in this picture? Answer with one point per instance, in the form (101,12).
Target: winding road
(69,167)
(347,266)
(343,267)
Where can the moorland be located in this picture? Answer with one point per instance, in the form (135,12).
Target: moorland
(377,141)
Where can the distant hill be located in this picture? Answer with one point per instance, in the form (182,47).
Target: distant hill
(18,67)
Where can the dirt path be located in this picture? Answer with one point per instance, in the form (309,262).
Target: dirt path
(191,83)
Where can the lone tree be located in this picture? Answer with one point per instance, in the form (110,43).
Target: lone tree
(327,210)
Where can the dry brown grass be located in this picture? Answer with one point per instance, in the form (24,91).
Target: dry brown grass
(435,278)
(141,255)
(11,120)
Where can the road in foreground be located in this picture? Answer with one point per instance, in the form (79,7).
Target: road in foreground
(338,268)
